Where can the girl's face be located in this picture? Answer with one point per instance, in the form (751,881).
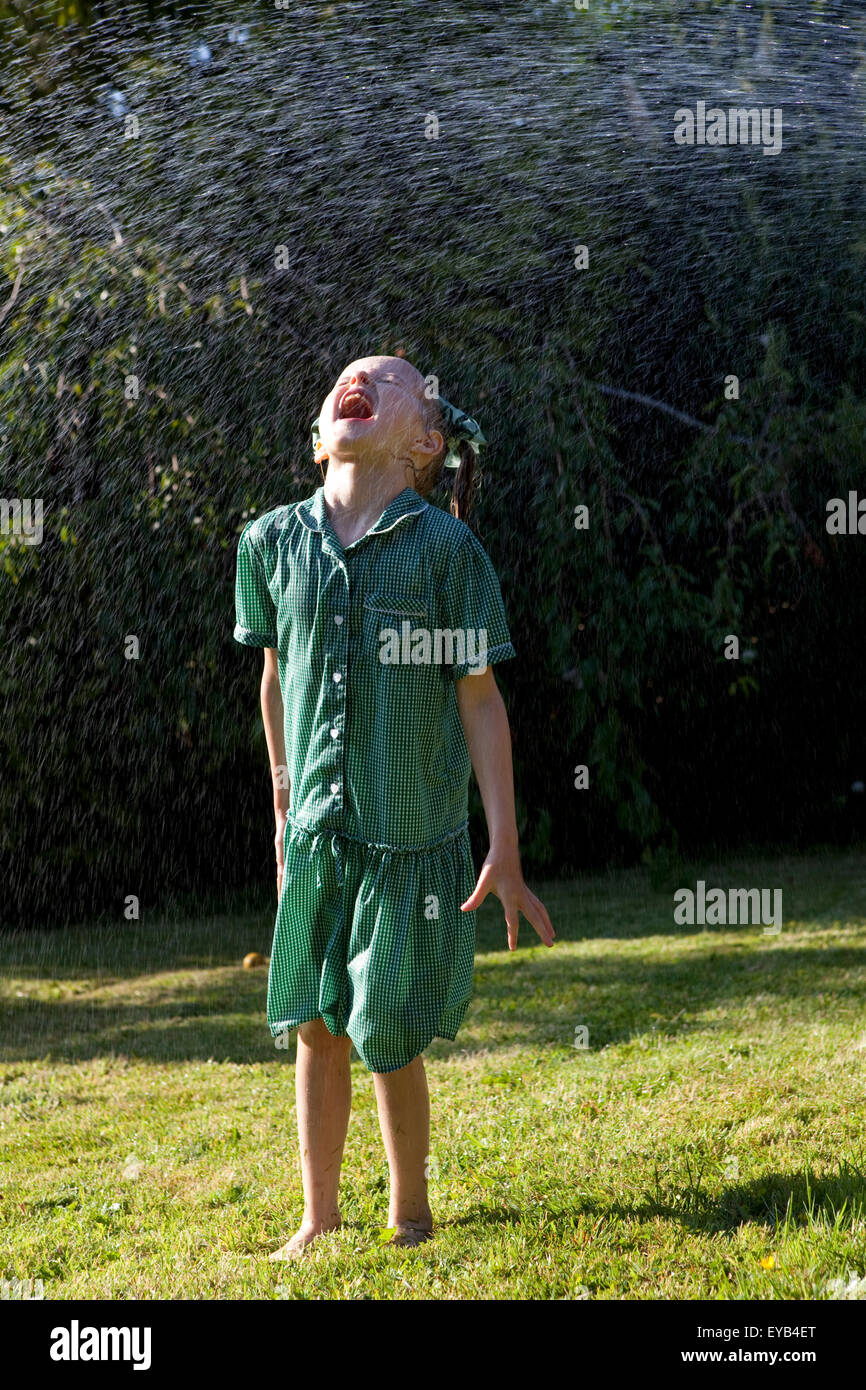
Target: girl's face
(376,412)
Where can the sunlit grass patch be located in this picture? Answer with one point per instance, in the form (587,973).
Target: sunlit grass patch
(701,1138)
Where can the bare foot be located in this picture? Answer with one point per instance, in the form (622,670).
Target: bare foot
(295,1248)
(411,1232)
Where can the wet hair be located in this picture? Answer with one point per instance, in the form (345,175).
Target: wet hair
(464,477)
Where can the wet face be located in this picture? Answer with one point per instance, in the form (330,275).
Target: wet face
(377,410)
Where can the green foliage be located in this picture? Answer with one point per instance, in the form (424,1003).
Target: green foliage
(665,866)
(154,258)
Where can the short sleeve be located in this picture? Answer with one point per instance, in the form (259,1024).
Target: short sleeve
(255,614)
(474,611)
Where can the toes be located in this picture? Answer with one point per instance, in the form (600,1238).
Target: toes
(410,1233)
(292,1250)
(299,1243)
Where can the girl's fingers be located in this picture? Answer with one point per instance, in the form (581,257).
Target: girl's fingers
(532,908)
(543,915)
(480,892)
(536,913)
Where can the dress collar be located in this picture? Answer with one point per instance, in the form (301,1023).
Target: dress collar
(407,503)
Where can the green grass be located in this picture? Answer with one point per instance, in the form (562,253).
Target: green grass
(715,1121)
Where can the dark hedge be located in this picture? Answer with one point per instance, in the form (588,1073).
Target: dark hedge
(157,257)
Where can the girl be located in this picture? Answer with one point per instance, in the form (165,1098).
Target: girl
(381,618)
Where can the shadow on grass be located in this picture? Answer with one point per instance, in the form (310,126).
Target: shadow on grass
(531,1004)
(129,989)
(795,1201)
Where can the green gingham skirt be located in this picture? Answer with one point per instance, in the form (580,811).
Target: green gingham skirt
(371,939)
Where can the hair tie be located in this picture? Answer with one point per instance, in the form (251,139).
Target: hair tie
(318,446)
(462,426)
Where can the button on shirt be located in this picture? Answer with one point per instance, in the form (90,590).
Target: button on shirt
(370,641)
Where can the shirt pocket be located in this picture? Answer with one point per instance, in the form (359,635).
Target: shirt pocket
(398,605)
(384,617)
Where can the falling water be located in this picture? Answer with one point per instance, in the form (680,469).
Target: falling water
(208,210)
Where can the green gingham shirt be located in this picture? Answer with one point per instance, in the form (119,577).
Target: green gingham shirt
(375,751)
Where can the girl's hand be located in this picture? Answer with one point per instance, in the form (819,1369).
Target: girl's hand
(501,874)
(279,837)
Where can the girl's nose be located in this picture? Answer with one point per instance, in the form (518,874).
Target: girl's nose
(359,379)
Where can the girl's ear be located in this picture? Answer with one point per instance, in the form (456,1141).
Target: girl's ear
(433,443)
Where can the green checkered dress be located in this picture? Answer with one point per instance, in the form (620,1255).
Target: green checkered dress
(369,934)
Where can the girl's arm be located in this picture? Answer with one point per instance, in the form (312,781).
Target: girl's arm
(488,739)
(272,718)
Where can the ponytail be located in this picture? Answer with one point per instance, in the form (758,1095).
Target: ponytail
(463,487)
(464,480)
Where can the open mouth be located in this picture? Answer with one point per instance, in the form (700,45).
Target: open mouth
(355,404)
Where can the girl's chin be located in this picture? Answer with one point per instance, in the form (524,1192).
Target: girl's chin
(346,434)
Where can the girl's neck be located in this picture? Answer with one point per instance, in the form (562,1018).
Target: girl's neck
(356,494)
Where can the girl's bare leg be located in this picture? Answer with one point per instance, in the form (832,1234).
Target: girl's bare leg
(323,1090)
(404,1118)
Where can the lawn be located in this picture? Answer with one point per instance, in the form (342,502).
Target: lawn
(707,1142)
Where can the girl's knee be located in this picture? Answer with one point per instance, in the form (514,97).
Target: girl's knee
(316,1034)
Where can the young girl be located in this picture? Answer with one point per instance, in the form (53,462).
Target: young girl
(381,617)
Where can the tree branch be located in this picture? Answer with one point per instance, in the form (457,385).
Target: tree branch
(14,295)
(650,401)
